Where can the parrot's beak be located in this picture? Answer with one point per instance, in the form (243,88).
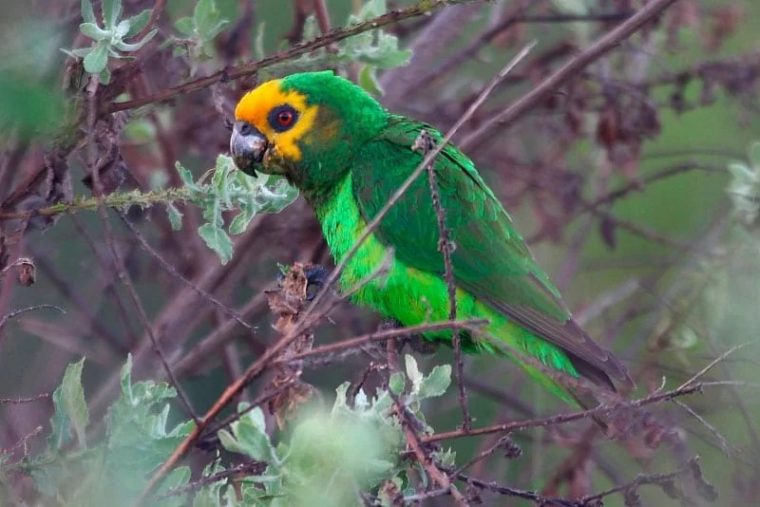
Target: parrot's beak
(247,146)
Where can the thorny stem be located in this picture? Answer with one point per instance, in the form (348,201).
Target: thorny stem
(424,143)
(114,200)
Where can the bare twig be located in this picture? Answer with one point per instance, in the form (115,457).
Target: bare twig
(15,313)
(607,42)
(118,262)
(336,35)
(424,143)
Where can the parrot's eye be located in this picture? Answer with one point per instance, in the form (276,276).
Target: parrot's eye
(282,118)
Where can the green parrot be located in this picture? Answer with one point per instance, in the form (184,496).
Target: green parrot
(347,155)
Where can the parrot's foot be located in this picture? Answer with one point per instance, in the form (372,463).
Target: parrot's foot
(316,276)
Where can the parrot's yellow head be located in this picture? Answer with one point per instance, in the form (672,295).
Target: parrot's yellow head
(305,126)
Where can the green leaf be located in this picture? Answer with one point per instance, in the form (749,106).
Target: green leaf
(240,223)
(88,14)
(217,240)
(132,47)
(138,22)
(97,59)
(249,437)
(754,155)
(94,32)
(207,20)
(69,398)
(111,12)
(413,372)
(368,80)
(397,383)
(436,383)
(175,216)
(185,26)
(105,76)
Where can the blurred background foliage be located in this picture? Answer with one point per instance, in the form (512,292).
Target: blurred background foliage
(666,275)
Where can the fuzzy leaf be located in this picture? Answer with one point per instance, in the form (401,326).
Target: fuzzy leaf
(69,398)
(217,240)
(413,372)
(248,436)
(436,383)
(175,217)
(88,14)
(397,383)
(111,12)
(138,22)
(93,31)
(97,59)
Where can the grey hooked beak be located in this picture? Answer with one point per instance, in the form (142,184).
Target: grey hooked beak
(247,146)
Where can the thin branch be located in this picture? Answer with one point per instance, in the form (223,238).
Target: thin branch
(424,143)
(118,262)
(15,313)
(528,101)
(336,35)
(31,399)
(114,200)
(573,416)
(231,312)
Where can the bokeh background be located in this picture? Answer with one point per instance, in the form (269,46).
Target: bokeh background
(633,183)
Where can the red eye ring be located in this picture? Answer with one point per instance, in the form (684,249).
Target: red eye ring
(285,118)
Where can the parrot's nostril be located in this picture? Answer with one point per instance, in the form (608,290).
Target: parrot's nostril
(245,128)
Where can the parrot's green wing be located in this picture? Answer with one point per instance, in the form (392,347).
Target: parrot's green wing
(490,260)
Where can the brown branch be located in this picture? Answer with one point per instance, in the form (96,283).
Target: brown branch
(15,313)
(602,45)
(565,418)
(424,143)
(118,262)
(336,35)
(231,312)
(386,334)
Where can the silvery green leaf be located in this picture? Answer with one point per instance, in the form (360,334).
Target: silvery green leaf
(240,223)
(217,240)
(105,76)
(413,372)
(248,436)
(175,216)
(88,14)
(111,12)
(187,178)
(69,397)
(94,32)
(121,29)
(185,26)
(138,22)
(132,47)
(97,59)
(397,383)
(436,383)
(77,53)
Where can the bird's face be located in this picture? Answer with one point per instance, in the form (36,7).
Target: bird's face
(307,127)
(270,126)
